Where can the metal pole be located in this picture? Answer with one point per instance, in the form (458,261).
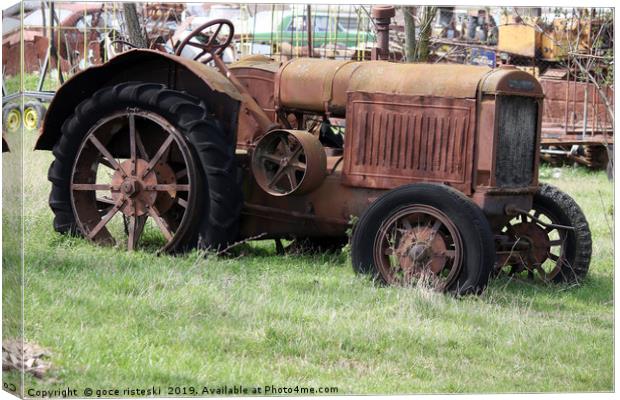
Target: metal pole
(309,24)
(54,45)
(585,111)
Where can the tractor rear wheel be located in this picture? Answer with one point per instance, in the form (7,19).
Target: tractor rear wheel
(425,234)
(139,150)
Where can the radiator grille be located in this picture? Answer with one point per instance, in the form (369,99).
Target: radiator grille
(394,140)
(518,117)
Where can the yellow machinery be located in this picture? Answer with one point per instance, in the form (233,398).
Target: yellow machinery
(531,37)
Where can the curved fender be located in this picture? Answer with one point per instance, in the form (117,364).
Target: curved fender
(177,73)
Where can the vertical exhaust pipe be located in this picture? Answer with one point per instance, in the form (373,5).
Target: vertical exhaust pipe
(382,16)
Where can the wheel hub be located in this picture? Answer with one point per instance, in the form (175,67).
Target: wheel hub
(130,187)
(536,237)
(420,249)
(135,188)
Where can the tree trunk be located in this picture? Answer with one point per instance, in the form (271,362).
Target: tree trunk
(410,41)
(134,30)
(426,29)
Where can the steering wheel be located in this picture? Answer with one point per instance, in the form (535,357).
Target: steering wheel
(212,46)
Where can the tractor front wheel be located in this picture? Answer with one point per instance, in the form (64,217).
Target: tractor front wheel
(557,254)
(425,234)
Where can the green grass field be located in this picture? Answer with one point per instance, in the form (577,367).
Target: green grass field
(118,320)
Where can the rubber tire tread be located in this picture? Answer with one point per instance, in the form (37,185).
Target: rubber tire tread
(580,241)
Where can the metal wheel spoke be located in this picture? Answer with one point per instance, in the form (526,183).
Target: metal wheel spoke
(285,145)
(291,178)
(106,218)
(541,272)
(153,213)
(137,230)
(105,200)
(167,188)
(557,242)
(435,228)
(143,154)
(92,186)
(270,157)
(158,155)
(554,257)
(132,143)
(277,176)
(449,253)
(105,163)
(295,153)
(181,174)
(106,154)
(182,202)
(298,165)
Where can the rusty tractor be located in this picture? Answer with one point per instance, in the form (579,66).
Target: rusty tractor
(439,163)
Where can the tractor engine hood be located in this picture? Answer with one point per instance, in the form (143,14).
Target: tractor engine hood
(322,85)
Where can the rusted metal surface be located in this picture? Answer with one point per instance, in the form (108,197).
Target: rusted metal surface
(485,140)
(143,186)
(212,46)
(314,84)
(419,243)
(512,81)
(257,75)
(563,112)
(321,85)
(534,245)
(35,50)
(178,73)
(261,118)
(311,214)
(440,80)
(394,139)
(286,162)
(576,123)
